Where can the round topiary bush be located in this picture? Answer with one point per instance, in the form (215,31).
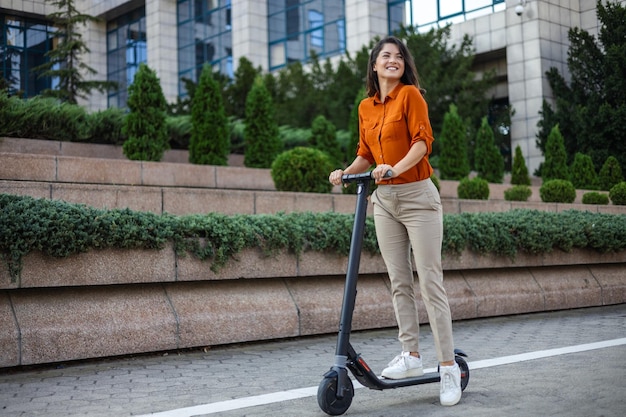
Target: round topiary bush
(302,169)
(617,194)
(557,191)
(474,189)
(595,198)
(518,193)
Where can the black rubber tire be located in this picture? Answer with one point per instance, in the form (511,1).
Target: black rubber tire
(327,397)
(465,373)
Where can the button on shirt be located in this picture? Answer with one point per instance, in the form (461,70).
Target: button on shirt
(389,128)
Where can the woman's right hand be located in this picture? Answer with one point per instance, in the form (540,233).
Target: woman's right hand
(335,177)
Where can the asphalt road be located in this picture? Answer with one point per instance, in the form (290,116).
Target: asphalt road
(567,363)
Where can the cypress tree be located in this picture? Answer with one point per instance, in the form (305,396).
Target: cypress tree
(262,143)
(453,161)
(555,164)
(610,174)
(519,174)
(145,125)
(582,173)
(209,143)
(487,158)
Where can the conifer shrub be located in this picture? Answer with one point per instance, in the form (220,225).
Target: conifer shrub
(555,163)
(453,160)
(262,142)
(488,160)
(617,194)
(582,173)
(324,137)
(106,126)
(145,127)
(435,181)
(557,191)
(594,197)
(302,169)
(518,192)
(475,189)
(610,174)
(519,172)
(209,143)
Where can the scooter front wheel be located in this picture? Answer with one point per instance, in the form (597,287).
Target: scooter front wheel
(328,400)
(465,373)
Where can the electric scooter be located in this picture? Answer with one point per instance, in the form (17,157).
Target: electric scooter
(335,392)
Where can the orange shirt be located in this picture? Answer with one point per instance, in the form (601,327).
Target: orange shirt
(388,130)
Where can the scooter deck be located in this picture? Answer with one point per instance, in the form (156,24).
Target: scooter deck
(369,379)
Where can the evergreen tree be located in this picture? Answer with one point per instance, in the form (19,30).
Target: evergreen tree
(519,174)
(591,109)
(262,143)
(453,162)
(145,125)
(489,162)
(555,164)
(237,92)
(582,173)
(324,138)
(64,61)
(610,174)
(210,135)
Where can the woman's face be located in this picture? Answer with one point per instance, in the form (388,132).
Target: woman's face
(389,63)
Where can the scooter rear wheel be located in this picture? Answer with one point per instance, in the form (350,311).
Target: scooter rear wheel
(327,397)
(465,373)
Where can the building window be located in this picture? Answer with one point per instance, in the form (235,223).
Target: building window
(204,36)
(426,14)
(300,28)
(126,49)
(23,45)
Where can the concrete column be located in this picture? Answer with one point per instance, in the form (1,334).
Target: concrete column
(364,20)
(161,28)
(250,32)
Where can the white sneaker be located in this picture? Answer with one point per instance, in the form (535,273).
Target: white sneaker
(450,390)
(403,366)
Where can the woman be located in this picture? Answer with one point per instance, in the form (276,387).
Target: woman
(395,134)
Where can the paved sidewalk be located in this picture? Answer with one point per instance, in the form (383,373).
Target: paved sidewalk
(585,381)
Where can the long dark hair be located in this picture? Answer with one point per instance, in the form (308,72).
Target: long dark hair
(409,77)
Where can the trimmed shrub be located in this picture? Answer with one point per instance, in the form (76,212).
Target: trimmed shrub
(488,160)
(557,191)
(474,189)
(582,173)
(617,194)
(518,193)
(610,174)
(145,125)
(106,126)
(555,164)
(262,143)
(302,169)
(453,160)
(595,198)
(519,173)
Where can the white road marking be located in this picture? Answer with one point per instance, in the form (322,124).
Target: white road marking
(280,396)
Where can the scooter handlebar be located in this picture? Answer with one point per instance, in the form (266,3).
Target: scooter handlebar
(364,176)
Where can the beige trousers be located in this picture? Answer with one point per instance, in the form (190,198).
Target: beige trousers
(410,216)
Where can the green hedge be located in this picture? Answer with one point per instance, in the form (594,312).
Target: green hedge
(61,229)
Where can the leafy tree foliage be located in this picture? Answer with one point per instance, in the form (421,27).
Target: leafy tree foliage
(555,164)
(519,173)
(237,91)
(582,173)
(210,135)
(324,138)
(610,174)
(489,162)
(145,125)
(591,110)
(64,61)
(262,143)
(453,162)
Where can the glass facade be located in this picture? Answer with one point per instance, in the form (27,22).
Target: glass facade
(204,36)
(425,14)
(298,28)
(126,49)
(23,45)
